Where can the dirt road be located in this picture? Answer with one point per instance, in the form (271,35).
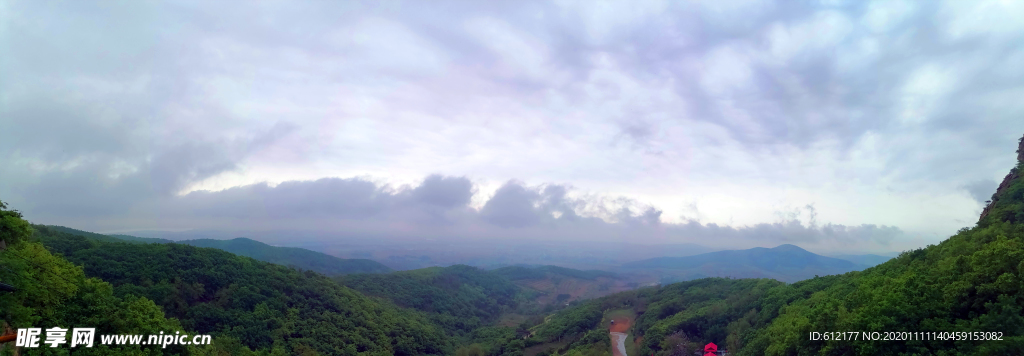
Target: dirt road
(618,332)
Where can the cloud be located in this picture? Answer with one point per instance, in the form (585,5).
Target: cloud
(830,236)
(981,190)
(512,206)
(355,209)
(96,182)
(875,112)
(444,192)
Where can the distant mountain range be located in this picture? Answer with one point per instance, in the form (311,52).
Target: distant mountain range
(410,254)
(287,256)
(868,260)
(292,256)
(787,263)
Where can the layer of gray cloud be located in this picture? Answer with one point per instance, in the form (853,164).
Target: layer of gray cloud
(439,208)
(981,190)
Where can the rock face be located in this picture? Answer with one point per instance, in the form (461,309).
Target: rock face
(1010,178)
(1020,150)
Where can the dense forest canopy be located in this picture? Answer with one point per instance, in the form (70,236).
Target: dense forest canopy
(460,298)
(52,292)
(254,307)
(260,306)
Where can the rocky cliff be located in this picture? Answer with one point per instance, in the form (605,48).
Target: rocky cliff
(1008,181)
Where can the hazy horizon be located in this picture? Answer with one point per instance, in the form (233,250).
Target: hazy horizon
(330,241)
(869,127)
(414,254)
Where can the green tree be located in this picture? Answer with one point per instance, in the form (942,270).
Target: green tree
(52,292)
(13,229)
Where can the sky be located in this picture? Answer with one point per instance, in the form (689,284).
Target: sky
(833,125)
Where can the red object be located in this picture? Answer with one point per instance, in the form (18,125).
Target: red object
(8,338)
(710,349)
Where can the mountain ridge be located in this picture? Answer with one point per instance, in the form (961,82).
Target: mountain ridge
(292,256)
(288,256)
(787,263)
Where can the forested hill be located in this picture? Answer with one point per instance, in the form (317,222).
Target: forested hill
(52,292)
(101,237)
(969,283)
(559,285)
(787,263)
(292,256)
(459,298)
(287,256)
(250,304)
(517,273)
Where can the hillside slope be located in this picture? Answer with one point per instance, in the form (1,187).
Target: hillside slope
(460,298)
(947,299)
(51,292)
(967,283)
(251,304)
(556,284)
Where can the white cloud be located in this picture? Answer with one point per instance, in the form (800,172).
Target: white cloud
(523,55)
(728,69)
(860,55)
(821,33)
(983,17)
(883,16)
(605,20)
(383,44)
(925,89)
